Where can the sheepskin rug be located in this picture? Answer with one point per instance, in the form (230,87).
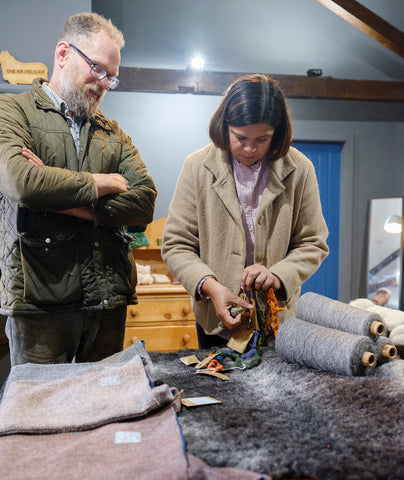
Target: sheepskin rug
(289,421)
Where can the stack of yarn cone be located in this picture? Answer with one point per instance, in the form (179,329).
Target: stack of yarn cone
(332,336)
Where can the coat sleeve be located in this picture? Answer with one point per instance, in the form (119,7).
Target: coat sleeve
(136,206)
(47,188)
(55,188)
(307,246)
(180,249)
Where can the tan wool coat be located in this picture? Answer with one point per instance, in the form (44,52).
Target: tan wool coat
(204,233)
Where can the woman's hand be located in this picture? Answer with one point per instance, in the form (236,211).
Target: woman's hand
(260,278)
(223,298)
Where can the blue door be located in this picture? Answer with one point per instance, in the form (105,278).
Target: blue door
(326,158)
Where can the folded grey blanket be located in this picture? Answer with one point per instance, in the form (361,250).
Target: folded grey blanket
(64,402)
(40,372)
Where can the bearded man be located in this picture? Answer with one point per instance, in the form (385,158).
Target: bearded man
(70,180)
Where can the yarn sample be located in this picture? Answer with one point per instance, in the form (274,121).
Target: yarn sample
(315,308)
(324,348)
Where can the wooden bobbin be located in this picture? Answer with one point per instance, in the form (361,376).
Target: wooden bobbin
(377,328)
(368,359)
(389,351)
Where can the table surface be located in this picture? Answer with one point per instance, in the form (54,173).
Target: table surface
(290,421)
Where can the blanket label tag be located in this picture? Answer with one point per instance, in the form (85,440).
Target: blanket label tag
(128,437)
(189,360)
(213,374)
(197,401)
(111,381)
(240,340)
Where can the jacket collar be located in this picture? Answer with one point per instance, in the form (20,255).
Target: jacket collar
(43,100)
(218,163)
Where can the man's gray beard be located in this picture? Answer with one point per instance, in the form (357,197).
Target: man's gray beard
(80,105)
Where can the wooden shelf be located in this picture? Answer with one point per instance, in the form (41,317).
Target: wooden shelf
(154,232)
(161,289)
(163,317)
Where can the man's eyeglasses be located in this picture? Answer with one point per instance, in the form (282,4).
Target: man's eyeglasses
(97,71)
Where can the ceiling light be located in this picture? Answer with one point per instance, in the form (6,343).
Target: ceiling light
(393,224)
(198,63)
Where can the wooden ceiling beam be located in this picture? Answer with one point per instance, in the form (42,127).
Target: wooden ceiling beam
(368,22)
(294,86)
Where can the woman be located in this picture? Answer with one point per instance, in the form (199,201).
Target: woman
(246,212)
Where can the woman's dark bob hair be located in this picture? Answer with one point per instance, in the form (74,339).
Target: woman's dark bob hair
(252,99)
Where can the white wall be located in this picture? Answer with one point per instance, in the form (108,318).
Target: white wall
(29,30)
(168,127)
(165,128)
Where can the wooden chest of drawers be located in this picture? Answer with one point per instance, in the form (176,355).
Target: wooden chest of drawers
(163,318)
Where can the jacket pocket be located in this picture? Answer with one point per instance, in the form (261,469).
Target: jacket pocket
(122,264)
(51,268)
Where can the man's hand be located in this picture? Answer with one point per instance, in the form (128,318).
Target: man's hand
(31,157)
(110,183)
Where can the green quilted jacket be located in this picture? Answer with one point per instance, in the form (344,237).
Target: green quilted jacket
(54,262)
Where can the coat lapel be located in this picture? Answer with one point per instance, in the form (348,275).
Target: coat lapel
(280,169)
(218,163)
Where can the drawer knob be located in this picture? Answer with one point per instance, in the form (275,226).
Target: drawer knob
(133,340)
(186,310)
(167,316)
(133,312)
(185,339)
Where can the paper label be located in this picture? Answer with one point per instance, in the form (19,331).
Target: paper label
(190,360)
(213,374)
(111,381)
(240,340)
(253,316)
(128,437)
(197,401)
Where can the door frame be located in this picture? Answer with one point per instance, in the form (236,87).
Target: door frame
(346,138)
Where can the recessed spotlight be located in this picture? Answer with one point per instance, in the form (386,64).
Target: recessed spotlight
(198,63)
